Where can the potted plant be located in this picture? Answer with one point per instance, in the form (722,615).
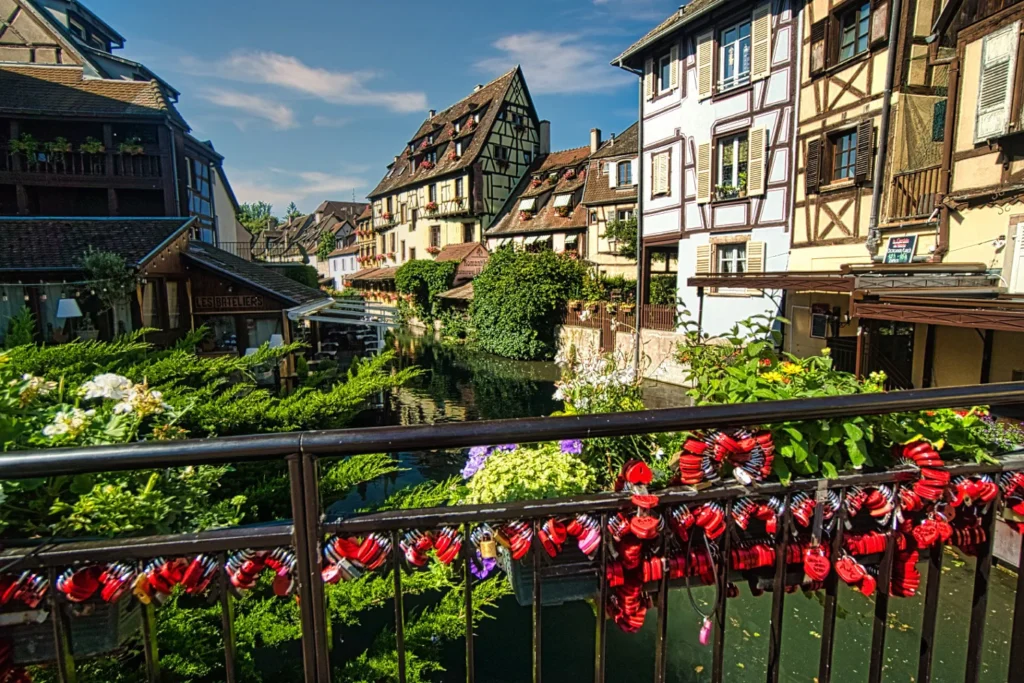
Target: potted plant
(570,174)
(525,215)
(391,255)
(87,330)
(92,146)
(452,132)
(433,250)
(452,155)
(59,145)
(431,207)
(611,307)
(131,147)
(552,178)
(424,144)
(386,215)
(535,183)
(25,144)
(563,211)
(426,164)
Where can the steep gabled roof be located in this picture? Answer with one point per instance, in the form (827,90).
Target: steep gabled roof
(545,217)
(458,252)
(48,90)
(679,18)
(619,148)
(59,243)
(253,274)
(342,209)
(623,144)
(485,100)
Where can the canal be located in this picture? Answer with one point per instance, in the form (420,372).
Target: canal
(460,384)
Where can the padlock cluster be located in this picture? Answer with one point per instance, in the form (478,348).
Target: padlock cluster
(348,558)
(767,511)
(244,567)
(27,588)
(9,671)
(1012,484)
(748,454)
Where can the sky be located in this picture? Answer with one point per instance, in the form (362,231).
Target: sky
(311,99)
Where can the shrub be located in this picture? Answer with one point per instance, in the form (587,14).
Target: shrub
(518,298)
(21,329)
(529,473)
(424,280)
(303,274)
(625,233)
(663,289)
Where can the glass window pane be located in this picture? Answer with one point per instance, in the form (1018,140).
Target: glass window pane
(173,306)
(150,306)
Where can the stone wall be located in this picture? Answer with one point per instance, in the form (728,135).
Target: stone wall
(657,350)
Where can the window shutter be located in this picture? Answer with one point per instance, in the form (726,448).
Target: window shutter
(705,64)
(674,67)
(661,183)
(632,171)
(879,21)
(649,79)
(613,173)
(865,147)
(812,173)
(819,46)
(704,172)
(755,262)
(995,91)
(703,265)
(761,42)
(757,156)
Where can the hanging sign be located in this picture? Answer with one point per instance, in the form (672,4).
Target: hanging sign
(900,249)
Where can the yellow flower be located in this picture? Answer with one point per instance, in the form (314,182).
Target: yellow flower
(792,368)
(773,376)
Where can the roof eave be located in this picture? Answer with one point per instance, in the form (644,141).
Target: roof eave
(625,58)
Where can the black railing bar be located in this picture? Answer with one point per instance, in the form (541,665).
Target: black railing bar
(779,592)
(536,613)
(396,571)
(979,603)
(145,547)
(1016,673)
(828,619)
(304,589)
(467,603)
(722,580)
(61,634)
(427,518)
(53,462)
(880,626)
(601,618)
(227,619)
(929,618)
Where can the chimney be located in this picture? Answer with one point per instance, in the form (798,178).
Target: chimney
(478,88)
(545,137)
(595,139)
(432,113)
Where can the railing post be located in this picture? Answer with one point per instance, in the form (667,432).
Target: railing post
(311,484)
(930,615)
(467,575)
(61,633)
(302,555)
(149,644)
(881,623)
(536,550)
(661,645)
(227,618)
(396,569)
(600,638)
(1017,636)
(778,593)
(828,620)
(979,605)
(724,562)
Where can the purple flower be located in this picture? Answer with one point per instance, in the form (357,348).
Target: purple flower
(508,447)
(571,446)
(482,567)
(477,457)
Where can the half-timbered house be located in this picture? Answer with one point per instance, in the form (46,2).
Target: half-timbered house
(719,81)
(455,173)
(609,196)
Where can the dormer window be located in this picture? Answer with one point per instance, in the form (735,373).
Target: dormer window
(457,126)
(76,28)
(528,204)
(430,139)
(501,114)
(476,118)
(562,200)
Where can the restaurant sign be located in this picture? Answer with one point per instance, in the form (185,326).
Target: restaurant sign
(229,303)
(900,249)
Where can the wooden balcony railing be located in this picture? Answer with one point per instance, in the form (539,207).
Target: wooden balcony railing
(381,223)
(913,193)
(242,250)
(596,316)
(714,560)
(83,164)
(138,165)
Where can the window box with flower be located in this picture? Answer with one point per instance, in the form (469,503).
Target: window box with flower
(431,206)
(92,146)
(535,183)
(570,174)
(426,164)
(525,215)
(452,155)
(563,211)
(131,147)
(433,250)
(391,255)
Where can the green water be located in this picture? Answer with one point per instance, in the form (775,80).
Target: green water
(460,384)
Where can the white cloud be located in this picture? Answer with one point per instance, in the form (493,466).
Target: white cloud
(281,116)
(557,63)
(336,87)
(306,188)
(329,121)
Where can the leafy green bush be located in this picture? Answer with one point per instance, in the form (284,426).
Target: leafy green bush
(301,273)
(518,299)
(529,473)
(119,281)
(21,329)
(663,289)
(625,233)
(424,280)
(325,246)
(601,287)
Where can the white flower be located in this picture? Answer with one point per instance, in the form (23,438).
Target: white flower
(142,400)
(34,386)
(107,385)
(69,422)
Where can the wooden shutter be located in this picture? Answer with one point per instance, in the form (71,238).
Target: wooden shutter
(661,173)
(757,155)
(761,42)
(812,172)
(613,174)
(755,262)
(705,64)
(865,147)
(879,22)
(649,79)
(704,172)
(674,67)
(995,90)
(703,265)
(819,46)
(632,171)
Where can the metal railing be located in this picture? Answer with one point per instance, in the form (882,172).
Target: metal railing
(308,527)
(913,193)
(243,250)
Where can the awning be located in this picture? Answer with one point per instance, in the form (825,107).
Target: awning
(793,281)
(531,239)
(999,313)
(503,241)
(572,239)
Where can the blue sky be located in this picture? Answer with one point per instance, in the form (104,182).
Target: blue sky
(309,99)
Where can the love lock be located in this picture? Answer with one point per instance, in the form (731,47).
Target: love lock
(79,585)
(816,563)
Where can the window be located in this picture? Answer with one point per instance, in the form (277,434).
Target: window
(173,304)
(458,188)
(501,153)
(593,217)
(432,193)
(151,305)
(200,200)
(458,148)
(431,156)
(528,204)
(468,232)
(625,173)
(854,28)
(527,157)
(476,118)
(623,215)
(732,258)
(394,239)
(733,154)
(843,148)
(734,56)
(412,253)
(390,205)
(403,250)
(457,126)
(562,200)
(435,236)
(76,28)
(664,67)
(660,185)
(501,114)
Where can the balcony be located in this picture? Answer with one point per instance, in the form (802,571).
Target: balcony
(450,207)
(384,221)
(243,250)
(84,166)
(913,194)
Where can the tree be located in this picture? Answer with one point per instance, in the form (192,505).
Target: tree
(518,299)
(624,232)
(325,246)
(292,211)
(257,217)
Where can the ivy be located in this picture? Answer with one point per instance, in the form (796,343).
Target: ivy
(425,280)
(518,300)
